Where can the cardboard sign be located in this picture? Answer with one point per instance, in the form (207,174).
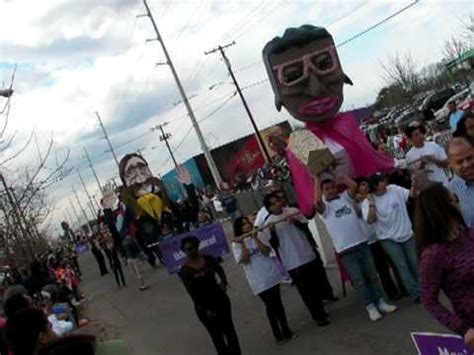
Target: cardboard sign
(213,242)
(440,344)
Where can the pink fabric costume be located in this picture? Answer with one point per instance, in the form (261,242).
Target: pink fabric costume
(344,130)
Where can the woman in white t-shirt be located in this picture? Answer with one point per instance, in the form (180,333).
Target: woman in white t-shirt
(386,209)
(385,267)
(263,276)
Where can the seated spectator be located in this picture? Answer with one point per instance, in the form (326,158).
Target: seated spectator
(59,315)
(28,331)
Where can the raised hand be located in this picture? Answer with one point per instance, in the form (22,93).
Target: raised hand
(184,176)
(109,197)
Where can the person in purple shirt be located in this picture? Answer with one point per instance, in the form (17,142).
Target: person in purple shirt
(446,248)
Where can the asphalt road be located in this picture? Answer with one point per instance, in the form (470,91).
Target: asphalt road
(161,320)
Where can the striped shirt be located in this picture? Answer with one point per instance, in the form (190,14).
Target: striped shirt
(465,193)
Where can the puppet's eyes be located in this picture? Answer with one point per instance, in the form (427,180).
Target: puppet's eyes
(323,61)
(293,73)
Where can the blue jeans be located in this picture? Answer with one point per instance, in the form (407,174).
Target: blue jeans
(404,257)
(360,266)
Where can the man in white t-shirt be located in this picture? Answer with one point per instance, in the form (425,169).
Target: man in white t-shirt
(351,243)
(387,209)
(427,156)
(295,252)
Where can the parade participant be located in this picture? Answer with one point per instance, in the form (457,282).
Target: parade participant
(465,127)
(424,155)
(262,275)
(386,208)
(117,266)
(446,246)
(321,275)
(351,243)
(383,264)
(461,161)
(133,253)
(99,257)
(296,253)
(307,79)
(211,302)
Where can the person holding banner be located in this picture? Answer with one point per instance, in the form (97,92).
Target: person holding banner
(263,276)
(446,247)
(210,299)
(296,254)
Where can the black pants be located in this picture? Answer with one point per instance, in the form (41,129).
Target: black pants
(101,262)
(117,269)
(321,278)
(303,277)
(218,322)
(276,312)
(383,264)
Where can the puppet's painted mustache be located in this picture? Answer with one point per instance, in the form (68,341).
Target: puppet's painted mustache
(319,106)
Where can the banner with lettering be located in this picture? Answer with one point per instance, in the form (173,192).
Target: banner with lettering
(440,344)
(213,242)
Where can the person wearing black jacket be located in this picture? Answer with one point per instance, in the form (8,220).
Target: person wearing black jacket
(211,302)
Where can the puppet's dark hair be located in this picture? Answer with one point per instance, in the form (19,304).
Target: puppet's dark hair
(293,37)
(123,163)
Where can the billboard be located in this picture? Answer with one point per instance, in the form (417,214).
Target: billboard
(240,158)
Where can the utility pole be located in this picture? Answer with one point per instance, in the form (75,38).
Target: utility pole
(91,204)
(261,143)
(106,136)
(164,138)
(207,154)
(80,206)
(92,167)
(78,217)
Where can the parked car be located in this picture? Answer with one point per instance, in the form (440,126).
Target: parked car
(436,100)
(407,117)
(464,101)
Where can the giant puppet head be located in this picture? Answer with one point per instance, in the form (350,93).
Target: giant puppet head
(149,191)
(305,73)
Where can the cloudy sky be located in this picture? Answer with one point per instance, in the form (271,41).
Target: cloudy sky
(78,57)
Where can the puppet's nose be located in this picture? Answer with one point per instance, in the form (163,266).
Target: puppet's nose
(315,86)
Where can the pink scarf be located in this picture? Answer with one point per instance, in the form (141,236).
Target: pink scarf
(344,130)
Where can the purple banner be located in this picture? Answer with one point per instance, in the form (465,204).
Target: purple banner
(81,248)
(213,242)
(440,344)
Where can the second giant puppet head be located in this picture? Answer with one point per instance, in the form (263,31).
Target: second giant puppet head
(305,73)
(149,191)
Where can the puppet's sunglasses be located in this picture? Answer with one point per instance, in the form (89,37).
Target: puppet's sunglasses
(320,62)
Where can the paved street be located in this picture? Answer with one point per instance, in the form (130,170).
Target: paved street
(161,320)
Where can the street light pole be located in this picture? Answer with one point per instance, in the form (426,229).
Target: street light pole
(207,153)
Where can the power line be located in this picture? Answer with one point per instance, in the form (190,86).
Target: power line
(261,143)
(386,19)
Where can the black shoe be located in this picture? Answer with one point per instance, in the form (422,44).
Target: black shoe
(290,336)
(332,298)
(322,322)
(417,300)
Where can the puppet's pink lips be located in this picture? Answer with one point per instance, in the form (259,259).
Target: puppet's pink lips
(319,106)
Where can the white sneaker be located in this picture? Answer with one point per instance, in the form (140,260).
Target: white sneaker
(384,307)
(374,313)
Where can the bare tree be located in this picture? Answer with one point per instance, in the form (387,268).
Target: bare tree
(402,72)
(25,205)
(454,47)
